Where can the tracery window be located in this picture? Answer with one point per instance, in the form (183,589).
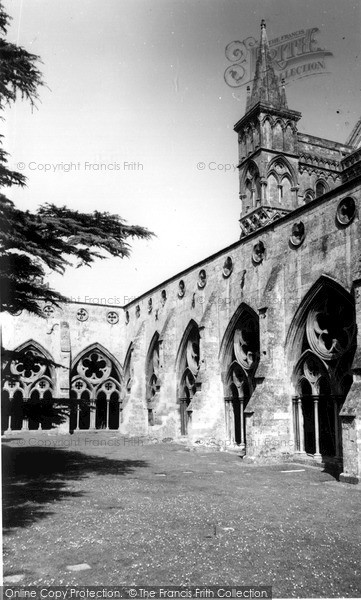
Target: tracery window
(240,360)
(188,375)
(96,392)
(252,186)
(153,372)
(325,344)
(28,390)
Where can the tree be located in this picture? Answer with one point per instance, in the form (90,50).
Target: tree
(52,237)
(31,242)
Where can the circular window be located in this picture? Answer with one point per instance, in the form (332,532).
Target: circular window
(181,288)
(112,317)
(258,252)
(82,314)
(48,310)
(227,267)
(202,278)
(346,211)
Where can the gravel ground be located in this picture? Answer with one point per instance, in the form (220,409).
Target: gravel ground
(164,514)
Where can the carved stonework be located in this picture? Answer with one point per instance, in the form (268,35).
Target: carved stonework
(181,289)
(112,317)
(245,344)
(227,267)
(346,211)
(258,252)
(298,234)
(48,311)
(82,314)
(94,366)
(202,279)
(330,328)
(260,217)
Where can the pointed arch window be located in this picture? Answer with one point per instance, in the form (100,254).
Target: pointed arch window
(321,188)
(252,184)
(153,377)
(240,357)
(277,136)
(28,390)
(188,375)
(321,341)
(96,391)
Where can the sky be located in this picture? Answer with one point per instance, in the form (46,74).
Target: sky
(140,84)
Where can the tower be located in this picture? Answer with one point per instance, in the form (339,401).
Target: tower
(268,149)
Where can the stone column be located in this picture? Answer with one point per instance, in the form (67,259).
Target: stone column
(351,410)
(120,408)
(77,417)
(25,424)
(300,426)
(296,425)
(337,430)
(317,429)
(241,413)
(92,414)
(107,416)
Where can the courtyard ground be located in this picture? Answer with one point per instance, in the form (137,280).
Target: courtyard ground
(165,514)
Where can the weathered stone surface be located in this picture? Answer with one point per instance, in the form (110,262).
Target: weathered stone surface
(215,380)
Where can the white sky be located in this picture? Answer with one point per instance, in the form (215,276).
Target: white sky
(142,81)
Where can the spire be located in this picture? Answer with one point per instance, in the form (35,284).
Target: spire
(354,139)
(265,84)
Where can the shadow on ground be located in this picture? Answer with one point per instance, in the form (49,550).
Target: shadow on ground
(35,477)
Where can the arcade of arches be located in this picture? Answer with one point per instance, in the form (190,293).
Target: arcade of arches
(321,346)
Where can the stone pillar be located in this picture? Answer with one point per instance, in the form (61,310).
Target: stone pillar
(120,408)
(300,425)
(337,431)
(296,425)
(63,374)
(92,414)
(77,417)
(241,414)
(350,413)
(107,416)
(317,454)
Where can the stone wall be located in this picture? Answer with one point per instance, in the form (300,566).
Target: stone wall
(211,292)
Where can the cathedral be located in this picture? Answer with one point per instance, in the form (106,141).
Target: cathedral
(257,348)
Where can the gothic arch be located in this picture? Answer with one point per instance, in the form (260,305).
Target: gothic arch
(321,187)
(98,347)
(289,137)
(277,135)
(153,375)
(310,368)
(187,367)
(267,132)
(227,340)
(320,346)
(239,356)
(251,184)
(96,390)
(308,196)
(287,167)
(326,286)
(36,346)
(28,389)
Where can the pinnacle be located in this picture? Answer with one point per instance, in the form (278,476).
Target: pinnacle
(266,88)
